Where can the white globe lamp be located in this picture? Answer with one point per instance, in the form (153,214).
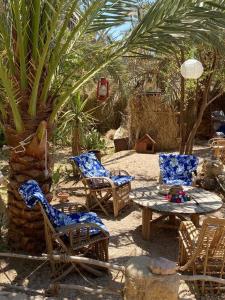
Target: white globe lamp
(191,69)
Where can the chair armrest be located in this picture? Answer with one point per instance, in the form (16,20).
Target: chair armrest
(102,180)
(79,227)
(119,172)
(215,142)
(71,207)
(188,234)
(190,230)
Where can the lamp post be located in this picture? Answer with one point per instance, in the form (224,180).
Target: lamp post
(190,69)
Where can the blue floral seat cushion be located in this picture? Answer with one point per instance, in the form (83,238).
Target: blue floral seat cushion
(32,194)
(90,167)
(177,168)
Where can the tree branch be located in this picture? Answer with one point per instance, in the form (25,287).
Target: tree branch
(214,98)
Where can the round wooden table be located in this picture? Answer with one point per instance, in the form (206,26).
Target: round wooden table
(150,200)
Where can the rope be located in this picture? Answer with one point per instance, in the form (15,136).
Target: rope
(25,142)
(22,145)
(64,258)
(46,154)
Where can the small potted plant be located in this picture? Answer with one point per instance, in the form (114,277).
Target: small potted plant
(63,196)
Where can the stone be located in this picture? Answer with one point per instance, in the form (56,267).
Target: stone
(142,284)
(162,266)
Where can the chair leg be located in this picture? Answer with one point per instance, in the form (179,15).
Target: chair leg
(49,248)
(99,201)
(182,254)
(102,207)
(115,204)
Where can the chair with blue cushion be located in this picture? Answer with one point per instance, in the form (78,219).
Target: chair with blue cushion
(102,185)
(177,169)
(68,230)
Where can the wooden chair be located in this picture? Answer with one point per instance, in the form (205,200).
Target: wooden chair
(75,237)
(218,147)
(203,251)
(74,240)
(102,185)
(177,169)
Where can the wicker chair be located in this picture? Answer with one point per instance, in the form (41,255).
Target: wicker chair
(202,251)
(218,147)
(102,185)
(88,238)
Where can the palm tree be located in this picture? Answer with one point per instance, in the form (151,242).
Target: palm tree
(36,38)
(35,41)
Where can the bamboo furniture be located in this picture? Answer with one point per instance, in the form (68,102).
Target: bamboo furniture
(99,197)
(99,190)
(202,251)
(151,201)
(218,147)
(68,231)
(74,240)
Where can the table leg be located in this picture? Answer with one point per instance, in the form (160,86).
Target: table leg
(146,218)
(195,219)
(172,219)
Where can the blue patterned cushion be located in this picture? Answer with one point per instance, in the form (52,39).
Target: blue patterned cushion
(90,166)
(32,193)
(177,168)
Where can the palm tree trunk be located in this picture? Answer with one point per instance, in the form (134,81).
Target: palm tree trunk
(26,228)
(76,147)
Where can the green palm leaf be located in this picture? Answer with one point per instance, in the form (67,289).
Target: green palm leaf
(37,38)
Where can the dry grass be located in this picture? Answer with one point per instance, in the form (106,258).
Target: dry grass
(147,114)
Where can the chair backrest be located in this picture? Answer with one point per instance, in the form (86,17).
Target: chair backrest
(209,252)
(32,194)
(177,167)
(89,165)
(211,241)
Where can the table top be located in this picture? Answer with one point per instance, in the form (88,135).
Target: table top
(203,202)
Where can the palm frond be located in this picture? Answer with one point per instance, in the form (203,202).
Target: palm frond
(170,23)
(10,93)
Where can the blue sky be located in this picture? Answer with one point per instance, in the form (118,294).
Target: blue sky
(120,31)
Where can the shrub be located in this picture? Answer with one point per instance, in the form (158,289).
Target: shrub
(93,141)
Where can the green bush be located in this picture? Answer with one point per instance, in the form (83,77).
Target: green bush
(93,141)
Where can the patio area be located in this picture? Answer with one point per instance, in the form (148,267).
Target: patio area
(125,232)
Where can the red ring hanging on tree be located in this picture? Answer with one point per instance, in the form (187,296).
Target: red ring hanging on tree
(103,89)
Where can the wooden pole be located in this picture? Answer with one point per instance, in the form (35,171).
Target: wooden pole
(66,259)
(95,291)
(22,289)
(202,278)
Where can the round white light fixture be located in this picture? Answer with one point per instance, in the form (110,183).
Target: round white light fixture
(191,69)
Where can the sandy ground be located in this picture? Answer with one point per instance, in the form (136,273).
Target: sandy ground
(125,232)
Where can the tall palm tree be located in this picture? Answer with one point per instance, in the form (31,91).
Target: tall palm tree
(35,41)
(36,38)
